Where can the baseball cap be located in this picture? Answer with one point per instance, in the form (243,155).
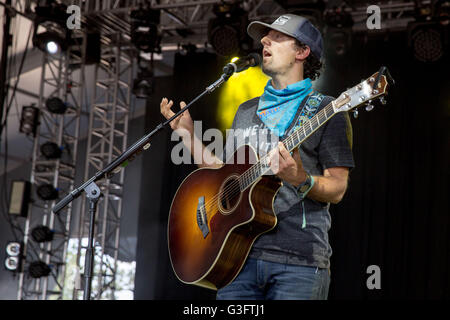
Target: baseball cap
(295,26)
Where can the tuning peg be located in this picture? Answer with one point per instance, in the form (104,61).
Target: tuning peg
(355,113)
(383,101)
(369,106)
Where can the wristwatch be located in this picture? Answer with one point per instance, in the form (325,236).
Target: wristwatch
(303,188)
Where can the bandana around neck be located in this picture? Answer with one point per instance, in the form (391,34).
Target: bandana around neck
(277,108)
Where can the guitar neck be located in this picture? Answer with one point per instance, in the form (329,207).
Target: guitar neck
(291,142)
(308,128)
(363,93)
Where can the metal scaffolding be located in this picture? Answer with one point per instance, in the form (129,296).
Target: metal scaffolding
(110,17)
(107,139)
(193,15)
(58,79)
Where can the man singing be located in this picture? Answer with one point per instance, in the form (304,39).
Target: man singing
(292,261)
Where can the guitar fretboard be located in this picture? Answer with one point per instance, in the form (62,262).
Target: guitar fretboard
(291,142)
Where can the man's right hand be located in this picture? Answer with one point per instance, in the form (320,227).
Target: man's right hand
(183,125)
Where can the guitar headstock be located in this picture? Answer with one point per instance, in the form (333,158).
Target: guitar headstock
(372,88)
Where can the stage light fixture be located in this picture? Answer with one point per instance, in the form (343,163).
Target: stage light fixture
(12,263)
(145,34)
(442,12)
(338,33)
(38,269)
(13,255)
(56,105)
(427,40)
(50,32)
(47,192)
(51,42)
(51,150)
(338,17)
(42,233)
(227,31)
(20,198)
(13,248)
(231,96)
(339,41)
(93,49)
(52,47)
(29,120)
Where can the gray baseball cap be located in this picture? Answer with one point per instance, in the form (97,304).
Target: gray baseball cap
(295,26)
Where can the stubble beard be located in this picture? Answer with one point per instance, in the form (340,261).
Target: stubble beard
(267,70)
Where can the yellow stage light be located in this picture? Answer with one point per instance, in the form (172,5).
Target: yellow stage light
(239,88)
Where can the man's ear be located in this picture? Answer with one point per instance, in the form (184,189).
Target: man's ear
(302,53)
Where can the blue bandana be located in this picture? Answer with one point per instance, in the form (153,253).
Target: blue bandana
(277,108)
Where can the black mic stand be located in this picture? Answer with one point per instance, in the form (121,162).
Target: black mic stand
(93,192)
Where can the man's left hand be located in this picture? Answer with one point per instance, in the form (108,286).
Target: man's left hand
(288,168)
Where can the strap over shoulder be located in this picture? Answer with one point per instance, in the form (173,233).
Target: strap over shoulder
(306,111)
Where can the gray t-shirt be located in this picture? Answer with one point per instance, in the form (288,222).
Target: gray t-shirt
(301,234)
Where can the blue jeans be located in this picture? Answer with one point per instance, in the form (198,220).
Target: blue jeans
(264,280)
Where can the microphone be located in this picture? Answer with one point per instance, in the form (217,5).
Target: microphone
(252,60)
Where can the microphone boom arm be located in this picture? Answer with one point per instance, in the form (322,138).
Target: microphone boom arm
(131,152)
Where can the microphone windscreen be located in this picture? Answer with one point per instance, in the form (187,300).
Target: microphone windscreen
(256,58)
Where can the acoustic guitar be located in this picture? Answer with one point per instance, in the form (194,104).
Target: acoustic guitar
(217,214)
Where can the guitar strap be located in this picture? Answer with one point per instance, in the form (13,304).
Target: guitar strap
(306,112)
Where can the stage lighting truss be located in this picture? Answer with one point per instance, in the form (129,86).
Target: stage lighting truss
(145,33)
(108,136)
(227,31)
(51,34)
(62,95)
(13,258)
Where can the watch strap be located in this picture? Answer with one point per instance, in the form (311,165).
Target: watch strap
(306,186)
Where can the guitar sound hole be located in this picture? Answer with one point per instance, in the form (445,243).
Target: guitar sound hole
(230,195)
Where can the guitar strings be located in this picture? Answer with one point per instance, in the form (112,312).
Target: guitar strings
(234,188)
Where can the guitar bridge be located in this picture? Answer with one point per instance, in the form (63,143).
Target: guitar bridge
(202,218)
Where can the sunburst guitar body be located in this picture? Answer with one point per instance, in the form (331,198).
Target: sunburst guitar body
(213,224)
